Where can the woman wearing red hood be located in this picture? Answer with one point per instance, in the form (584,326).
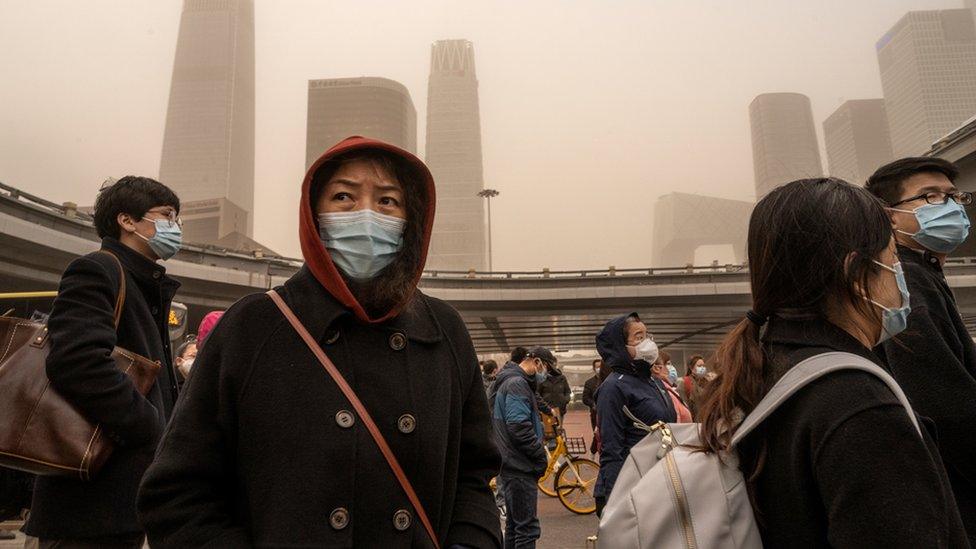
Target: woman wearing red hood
(265,450)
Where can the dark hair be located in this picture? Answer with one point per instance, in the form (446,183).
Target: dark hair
(886,182)
(632,318)
(812,244)
(131,195)
(518,354)
(596,361)
(489,367)
(182,349)
(387,288)
(691,363)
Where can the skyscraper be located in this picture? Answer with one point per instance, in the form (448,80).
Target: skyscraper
(372,107)
(856,138)
(928,73)
(784,140)
(208,147)
(454,158)
(683,222)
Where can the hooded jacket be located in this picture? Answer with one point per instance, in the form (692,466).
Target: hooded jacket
(518,427)
(629,385)
(265,451)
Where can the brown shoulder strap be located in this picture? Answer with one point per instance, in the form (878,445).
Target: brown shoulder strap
(120,299)
(360,409)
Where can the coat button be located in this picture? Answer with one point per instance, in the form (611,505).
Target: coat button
(155,311)
(401,520)
(407,423)
(345,419)
(156,274)
(339,518)
(398,341)
(331,337)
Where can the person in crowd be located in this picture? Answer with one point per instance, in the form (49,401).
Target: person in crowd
(265,449)
(589,399)
(934,360)
(555,390)
(137,219)
(518,436)
(489,370)
(690,385)
(821,470)
(627,348)
(665,372)
(186,354)
(207,324)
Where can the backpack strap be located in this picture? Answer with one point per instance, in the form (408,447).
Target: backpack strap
(805,373)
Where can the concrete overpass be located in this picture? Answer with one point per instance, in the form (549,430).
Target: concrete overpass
(688,307)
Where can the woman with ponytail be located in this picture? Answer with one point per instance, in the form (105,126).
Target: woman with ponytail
(839,464)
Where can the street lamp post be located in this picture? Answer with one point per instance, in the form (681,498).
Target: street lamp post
(488,194)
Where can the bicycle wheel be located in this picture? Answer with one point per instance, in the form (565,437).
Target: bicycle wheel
(575,482)
(547,484)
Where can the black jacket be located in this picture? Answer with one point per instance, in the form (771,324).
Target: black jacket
(260,451)
(79,366)
(555,390)
(589,391)
(517,425)
(844,466)
(934,360)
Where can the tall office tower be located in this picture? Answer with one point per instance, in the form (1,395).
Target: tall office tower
(971,5)
(371,107)
(784,140)
(856,136)
(454,158)
(928,74)
(208,147)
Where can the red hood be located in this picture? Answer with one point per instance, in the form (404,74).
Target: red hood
(317,257)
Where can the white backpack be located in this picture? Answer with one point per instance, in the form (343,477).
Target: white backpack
(709,507)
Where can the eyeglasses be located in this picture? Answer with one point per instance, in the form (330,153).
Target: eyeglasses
(170,216)
(938,198)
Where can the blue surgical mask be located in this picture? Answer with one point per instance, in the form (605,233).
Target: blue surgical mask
(168,238)
(361,243)
(894,320)
(672,373)
(700,371)
(941,227)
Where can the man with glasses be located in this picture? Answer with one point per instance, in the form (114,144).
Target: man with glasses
(934,359)
(138,221)
(518,436)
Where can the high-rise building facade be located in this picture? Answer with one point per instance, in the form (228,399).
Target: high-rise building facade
(856,139)
(454,158)
(379,108)
(928,74)
(208,147)
(784,140)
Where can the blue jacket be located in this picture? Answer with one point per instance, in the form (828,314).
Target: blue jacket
(516,421)
(629,385)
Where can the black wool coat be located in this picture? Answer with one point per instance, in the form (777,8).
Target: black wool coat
(80,367)
(843,466)
(934,361)
(265,451)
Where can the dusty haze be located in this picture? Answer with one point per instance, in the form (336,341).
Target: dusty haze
(590,109)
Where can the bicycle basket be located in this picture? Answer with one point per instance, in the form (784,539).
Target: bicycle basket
(576,445)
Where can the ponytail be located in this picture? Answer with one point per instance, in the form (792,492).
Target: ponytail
(738,387)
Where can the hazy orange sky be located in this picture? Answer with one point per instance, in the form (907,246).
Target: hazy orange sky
(590,109)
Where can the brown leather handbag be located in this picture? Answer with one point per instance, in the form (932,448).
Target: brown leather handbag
(40,432)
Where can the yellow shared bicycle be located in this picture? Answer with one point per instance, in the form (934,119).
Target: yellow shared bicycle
(569,477)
